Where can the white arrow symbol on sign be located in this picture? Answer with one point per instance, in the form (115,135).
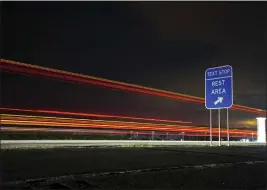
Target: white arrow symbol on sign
(220,99)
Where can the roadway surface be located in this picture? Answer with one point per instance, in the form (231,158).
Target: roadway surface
(170,167)
(84,143)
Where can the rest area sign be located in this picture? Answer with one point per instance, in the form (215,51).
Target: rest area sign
(219,87)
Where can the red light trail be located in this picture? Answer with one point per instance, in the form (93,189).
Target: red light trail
(85,79)
(26,120)
(92,115)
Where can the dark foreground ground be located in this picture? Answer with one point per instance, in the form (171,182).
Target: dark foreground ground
(136,168)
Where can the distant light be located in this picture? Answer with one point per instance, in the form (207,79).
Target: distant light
(261,129)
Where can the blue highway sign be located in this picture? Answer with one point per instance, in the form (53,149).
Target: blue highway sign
(219,87)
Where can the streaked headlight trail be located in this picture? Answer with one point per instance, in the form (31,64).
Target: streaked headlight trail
(77,124)
(24,120)
(92,115)
(85,79)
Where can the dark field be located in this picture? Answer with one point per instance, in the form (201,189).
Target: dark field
(161,168)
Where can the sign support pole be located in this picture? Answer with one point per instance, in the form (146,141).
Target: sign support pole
(210,128)
(227,121)
(219,126)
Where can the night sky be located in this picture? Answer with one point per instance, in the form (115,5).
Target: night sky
(161,45)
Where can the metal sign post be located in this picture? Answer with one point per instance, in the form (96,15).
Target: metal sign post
(219,126)
(210,128)
(219,93)
(227,123)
